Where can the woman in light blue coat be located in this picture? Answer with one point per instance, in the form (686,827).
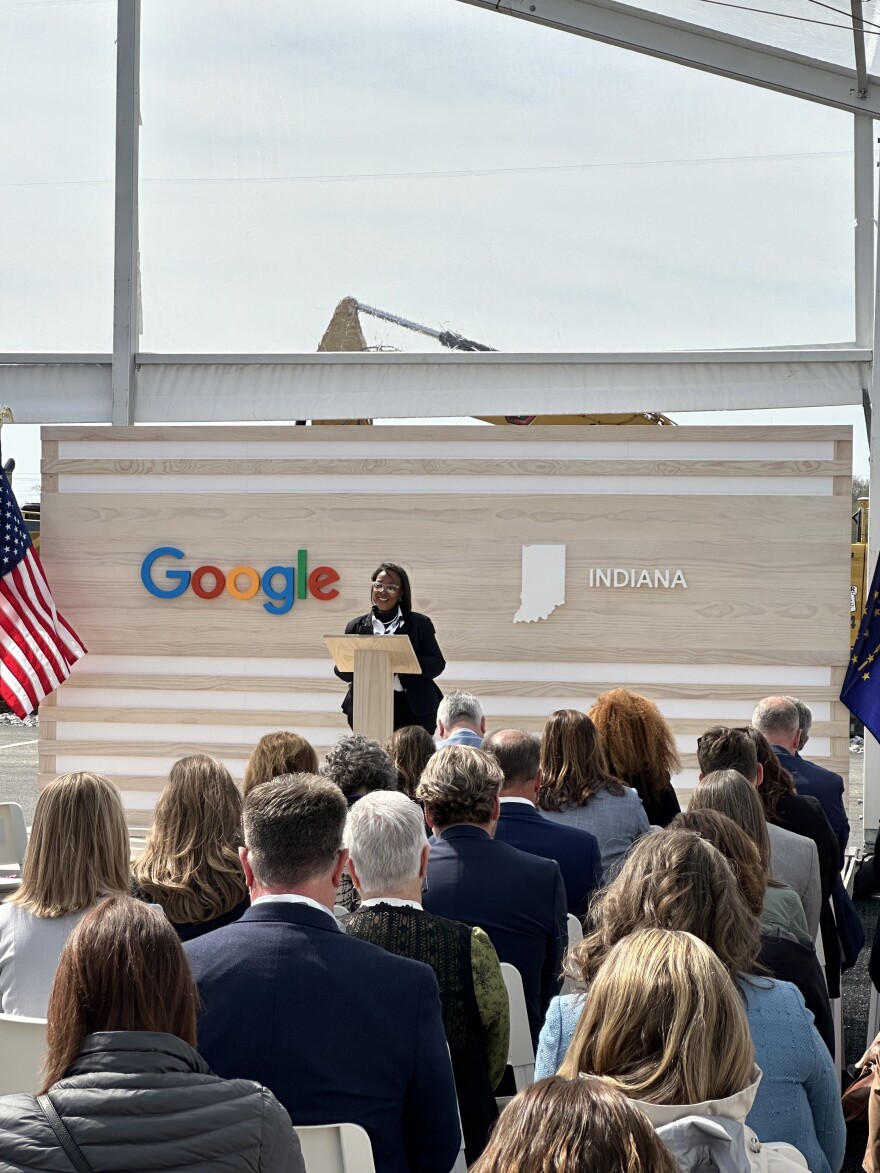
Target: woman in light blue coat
(676,880)
(578,790)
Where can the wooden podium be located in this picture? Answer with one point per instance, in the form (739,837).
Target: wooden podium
(374,660)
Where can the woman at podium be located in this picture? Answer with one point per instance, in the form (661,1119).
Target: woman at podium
(416,697)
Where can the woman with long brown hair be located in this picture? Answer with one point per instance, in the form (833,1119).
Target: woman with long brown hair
(664,1024)
(122,1072)
(578,788)
(77,854)
(580,1125)
(677,880)
(788,956)
(190,864)
(409,749)
(640,748)
(276,754)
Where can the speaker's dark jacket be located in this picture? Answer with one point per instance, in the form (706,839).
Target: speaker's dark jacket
(338,1029)
(422,694)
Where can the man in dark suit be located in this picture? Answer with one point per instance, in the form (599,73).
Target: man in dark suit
(518,899)
(815,780)
(523,826)
(338,1029)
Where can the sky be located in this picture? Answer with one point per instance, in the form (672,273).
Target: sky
(533,190)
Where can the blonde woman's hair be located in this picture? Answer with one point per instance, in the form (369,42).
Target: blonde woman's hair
(276,754)
(78,849)
(190,864)
(664,1023)
(671,880)
(573,1126)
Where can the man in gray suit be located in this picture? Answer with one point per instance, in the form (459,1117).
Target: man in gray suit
(794,859)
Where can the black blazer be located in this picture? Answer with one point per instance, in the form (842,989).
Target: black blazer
(338,1029)
(823,785)
(422,694)
(577,852)
(517,899)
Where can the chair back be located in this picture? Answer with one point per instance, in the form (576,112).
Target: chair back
(575,930)
(23,1047)
(521,1053)
(336,1148)
(13,835)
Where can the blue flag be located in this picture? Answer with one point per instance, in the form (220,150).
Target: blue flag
(861,686)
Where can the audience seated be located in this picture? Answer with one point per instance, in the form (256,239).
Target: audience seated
(664,1024)
(726,792)
(773,718)
(409,749)
(803,816)
(640,750)
(358,765)
(460,720)
(524,827)
(578,789)
(122,1071)
(276,754)
(794,860)
(385,835)
(77,854)
(340,1030)
(190,864)
(810,786)
(676,880)
(788,955)
(518,899)
(578,1125)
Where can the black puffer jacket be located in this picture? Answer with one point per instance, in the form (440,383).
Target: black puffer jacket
(139,1101)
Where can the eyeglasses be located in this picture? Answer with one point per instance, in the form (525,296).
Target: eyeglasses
(388,587)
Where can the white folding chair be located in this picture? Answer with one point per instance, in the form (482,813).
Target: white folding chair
(575,934)
(335,1148)
(23,1051)
(13,843)
(520,1053)
(873,1016)
(851,860)
(575,930)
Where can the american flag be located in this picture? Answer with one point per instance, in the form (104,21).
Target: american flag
(37,646)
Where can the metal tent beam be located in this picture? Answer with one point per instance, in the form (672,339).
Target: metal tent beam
(657,35)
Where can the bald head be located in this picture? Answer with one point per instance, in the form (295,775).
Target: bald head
(518,754)
(779,720)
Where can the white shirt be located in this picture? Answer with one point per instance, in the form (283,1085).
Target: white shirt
(516,798)
(379,628)
(394,901)
(293,898)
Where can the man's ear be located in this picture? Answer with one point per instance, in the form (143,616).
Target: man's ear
(701,777)
(441,731)
(483,726)
(244,856)
(539,778)
(352,871)
(759,777)
(423,862)
(339,868)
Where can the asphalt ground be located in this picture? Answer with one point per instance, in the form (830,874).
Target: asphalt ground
(18,767)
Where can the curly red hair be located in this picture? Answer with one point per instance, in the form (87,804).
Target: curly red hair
(637,741)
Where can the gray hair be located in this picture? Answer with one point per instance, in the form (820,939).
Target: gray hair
(385,834)
(805,717)
(518,754)
(358,762)
(774,715)
(459,706)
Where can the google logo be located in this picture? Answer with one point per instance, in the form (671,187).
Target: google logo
(208,582)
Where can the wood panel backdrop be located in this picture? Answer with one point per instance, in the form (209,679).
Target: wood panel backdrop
(757,519)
